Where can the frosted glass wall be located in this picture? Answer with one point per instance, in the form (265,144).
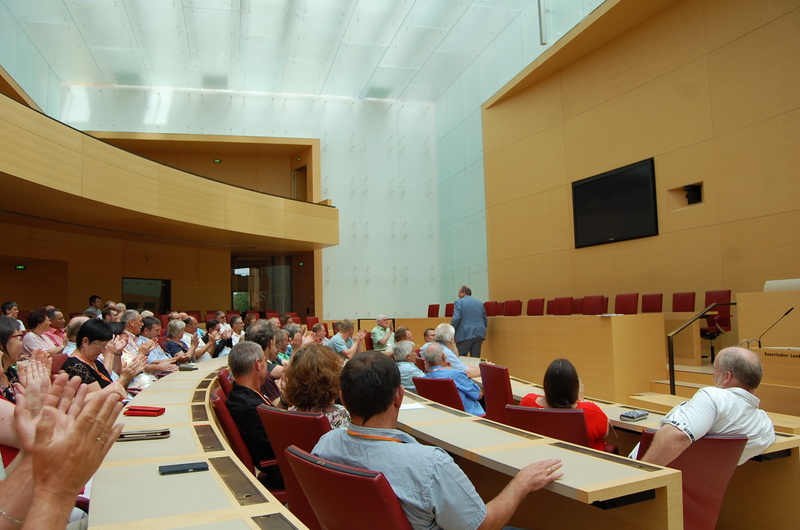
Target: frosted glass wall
(378,168)
(25,64)
(459,143)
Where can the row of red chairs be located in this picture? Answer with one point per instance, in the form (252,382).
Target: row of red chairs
(625,304)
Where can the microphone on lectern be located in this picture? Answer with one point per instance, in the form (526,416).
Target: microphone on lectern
(772,326)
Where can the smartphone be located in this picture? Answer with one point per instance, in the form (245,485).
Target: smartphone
(144,434)
(189,467)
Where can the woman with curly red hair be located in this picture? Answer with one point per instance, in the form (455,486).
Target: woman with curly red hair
(311,383)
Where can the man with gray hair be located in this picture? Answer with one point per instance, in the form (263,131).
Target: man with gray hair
(347,343)
(382,335)
(248,365)
(72,333)
(444,338)
(403,354)
(729,407)
(437,366)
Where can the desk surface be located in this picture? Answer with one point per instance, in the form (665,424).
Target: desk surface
(225,497)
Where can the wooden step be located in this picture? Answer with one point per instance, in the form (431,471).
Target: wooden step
(682,388)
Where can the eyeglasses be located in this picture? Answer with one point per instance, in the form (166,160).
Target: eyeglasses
(20,335)
(100,344)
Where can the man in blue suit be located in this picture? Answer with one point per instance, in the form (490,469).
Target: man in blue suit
(469,319)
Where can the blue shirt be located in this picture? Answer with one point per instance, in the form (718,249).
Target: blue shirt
(433,491)
(407,371)
(338,344)
(156,354)
(468,389)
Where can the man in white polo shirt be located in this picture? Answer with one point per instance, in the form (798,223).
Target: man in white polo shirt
(730,407)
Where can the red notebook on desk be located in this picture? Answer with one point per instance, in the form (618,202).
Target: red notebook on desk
(144,411)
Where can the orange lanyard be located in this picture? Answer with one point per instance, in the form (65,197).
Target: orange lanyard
(372,437)
(265,398)
(86,362)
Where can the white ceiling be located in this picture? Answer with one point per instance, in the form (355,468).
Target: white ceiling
(404,49)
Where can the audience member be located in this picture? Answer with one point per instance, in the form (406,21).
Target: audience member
(220,338)
(403,355)
(34,340)
(729,407)
(151,330)
(175,347)
(432,489)
(437,368)
(220,317)
(251,318)
(95,337)
(72,333)
(248,367)
(429,335)
(56,333)
(133,346)
(237,328)
(10,352)
(204,350)
(469,321)
(444,337)
(563,389)
(402,333)
(264,334)
(61,450)
(311,383)
(286,320)
(319,334)
(110,313)
(11,309)
(345,342)
(95,307)
(382,335)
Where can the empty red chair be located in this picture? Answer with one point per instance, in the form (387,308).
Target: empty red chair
(448,310)
(496,391)
(562,305)
(501,306)
(683,302)
(593,305)
(303,430)
(706,466)
(626,304)
(442,391)
(551,307)
(577,306)
(491,308)
(720,323)
(370,501)
(535,307)
(512,308)
(652,303)
(433,311)
(210,315)
(311,322)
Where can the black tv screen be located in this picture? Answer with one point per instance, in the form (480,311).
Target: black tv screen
(616,205)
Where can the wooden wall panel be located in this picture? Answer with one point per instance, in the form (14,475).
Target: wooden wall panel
(756,76)
(663,45)
(722,109)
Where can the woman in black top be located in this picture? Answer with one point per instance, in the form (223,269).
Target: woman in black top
(10,349)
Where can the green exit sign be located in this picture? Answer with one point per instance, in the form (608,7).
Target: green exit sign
(20,267)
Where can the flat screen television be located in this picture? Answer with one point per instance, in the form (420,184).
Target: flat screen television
(616,205)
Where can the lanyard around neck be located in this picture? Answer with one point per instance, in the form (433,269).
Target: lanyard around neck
(373,437)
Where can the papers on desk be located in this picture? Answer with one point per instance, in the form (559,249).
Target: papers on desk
(411,406)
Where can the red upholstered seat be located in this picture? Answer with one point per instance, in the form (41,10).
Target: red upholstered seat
(496,391)
(720,323)
(593,305)
(491,308)
(433,311)
(442,391)
(58,362)
(563,424)
(420,362)
(706,468)
(311,322)
(562,306)
(448,310)
(577,306)
(535,307)
(626,304)
(652,303)
(512,308)
(345,497)
(303,430)
(224,381)
(683,302)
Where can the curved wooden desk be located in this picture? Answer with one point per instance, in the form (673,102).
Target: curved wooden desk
(759,491)
(128,492)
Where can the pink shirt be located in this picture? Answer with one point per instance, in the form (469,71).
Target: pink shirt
(57,336)
(32,342)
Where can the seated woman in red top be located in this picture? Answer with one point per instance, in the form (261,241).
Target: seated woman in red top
(563,389)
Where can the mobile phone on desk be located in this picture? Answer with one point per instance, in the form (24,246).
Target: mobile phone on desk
(144,434)
(177,469)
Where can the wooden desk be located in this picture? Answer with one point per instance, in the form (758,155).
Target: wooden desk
(757,496)
(491,453)
(128,492)
(613,354)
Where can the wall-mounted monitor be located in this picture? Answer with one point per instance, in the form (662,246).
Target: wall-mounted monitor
(616,205)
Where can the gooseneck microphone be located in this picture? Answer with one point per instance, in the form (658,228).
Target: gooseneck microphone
(773,325)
